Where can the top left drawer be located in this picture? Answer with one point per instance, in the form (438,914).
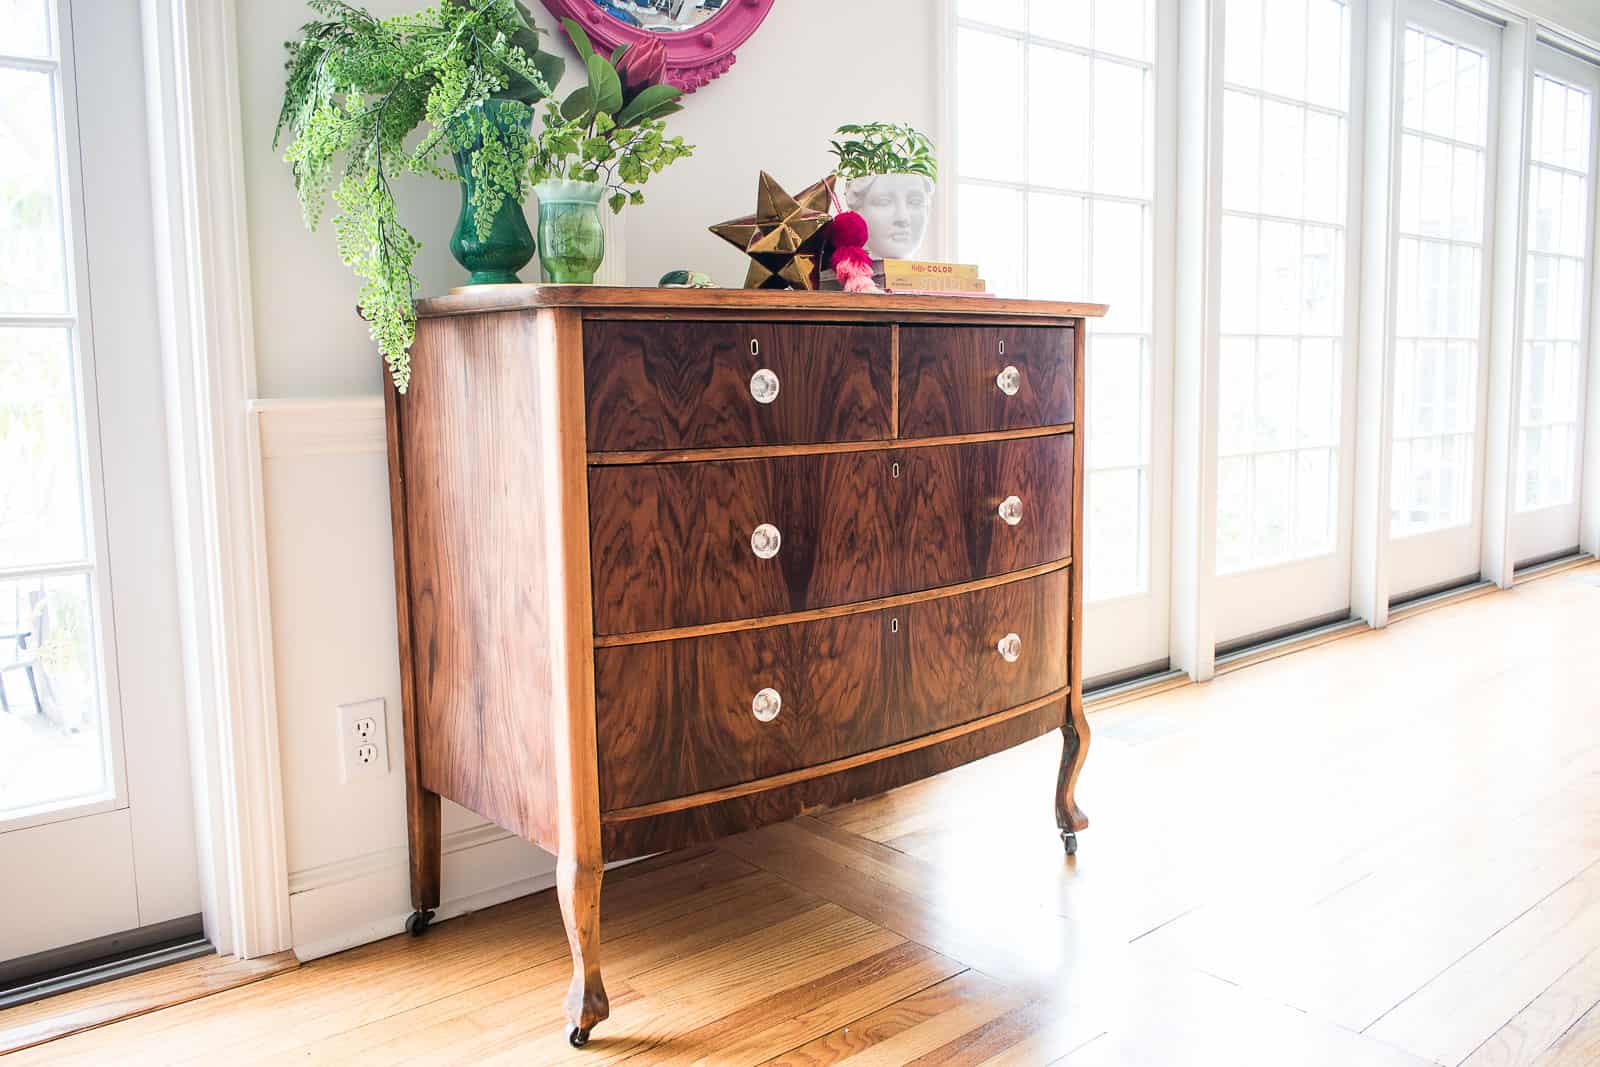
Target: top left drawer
(653,385)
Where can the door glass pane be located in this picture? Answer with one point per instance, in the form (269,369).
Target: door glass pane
(51,735)
(27,28)
(1066,213)
(1284,196)
(33,274)
(41,506)
(55,742)
(1438,285)
(1555,288)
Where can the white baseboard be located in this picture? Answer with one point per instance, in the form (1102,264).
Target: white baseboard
(367,898)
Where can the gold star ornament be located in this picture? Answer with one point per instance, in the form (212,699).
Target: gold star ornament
(783,238)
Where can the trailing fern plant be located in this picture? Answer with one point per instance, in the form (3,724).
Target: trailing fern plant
(359,86)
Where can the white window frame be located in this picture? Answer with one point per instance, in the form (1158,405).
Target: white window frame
(1247,602)
(1188,157)
(80,339)
(1536,534)
(1443,555)
(1132,628)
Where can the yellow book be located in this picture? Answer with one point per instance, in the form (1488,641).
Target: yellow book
(905,274)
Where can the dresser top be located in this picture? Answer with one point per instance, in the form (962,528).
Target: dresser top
(471,299)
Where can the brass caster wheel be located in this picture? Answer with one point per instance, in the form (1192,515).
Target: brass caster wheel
(578,1036)
(417,924)
(1069,841)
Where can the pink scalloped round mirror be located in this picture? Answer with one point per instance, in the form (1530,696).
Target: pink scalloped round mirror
(700,35)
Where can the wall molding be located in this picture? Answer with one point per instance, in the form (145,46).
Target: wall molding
(203,281)
(351,902)
(370,863)
(332,426)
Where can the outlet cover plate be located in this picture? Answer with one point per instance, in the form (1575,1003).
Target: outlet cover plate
(361,725)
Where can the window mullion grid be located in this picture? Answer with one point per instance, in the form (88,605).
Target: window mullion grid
(35,64)
(63,568)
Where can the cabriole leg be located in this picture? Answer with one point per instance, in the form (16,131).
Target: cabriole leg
(1074,750)
(578,886)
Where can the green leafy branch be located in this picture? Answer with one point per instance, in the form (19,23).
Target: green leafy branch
(611,130)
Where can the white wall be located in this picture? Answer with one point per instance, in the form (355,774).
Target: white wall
(774,110)
(324,479)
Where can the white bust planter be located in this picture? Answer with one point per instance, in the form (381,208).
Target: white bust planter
(896,207)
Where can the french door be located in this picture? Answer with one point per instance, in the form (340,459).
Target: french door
(1440,252)
(1284,468)
(1557,318)
(96,817)
(1074,202)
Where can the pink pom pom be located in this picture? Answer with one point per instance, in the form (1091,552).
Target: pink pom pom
(849,230)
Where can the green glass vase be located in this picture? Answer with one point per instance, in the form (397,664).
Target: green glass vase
(495,259)
(571,243)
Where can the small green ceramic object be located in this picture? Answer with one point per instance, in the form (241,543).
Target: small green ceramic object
(493,260)
(685,279)
(571,243)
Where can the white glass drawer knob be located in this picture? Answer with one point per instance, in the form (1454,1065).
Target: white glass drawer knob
(764,386)
(1011,510)
(765,541)
(766,705)
(1009,381)
(1010,648)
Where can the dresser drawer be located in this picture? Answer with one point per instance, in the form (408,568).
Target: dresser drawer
(675,385)
(674,718)
(950,379)
(672,542)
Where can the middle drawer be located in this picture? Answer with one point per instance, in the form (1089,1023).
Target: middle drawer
(680,544)
(673,718)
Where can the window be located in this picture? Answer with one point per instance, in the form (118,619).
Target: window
(1555,295)
(1439,269)
(1285,126)
(55,748)
(1054,186)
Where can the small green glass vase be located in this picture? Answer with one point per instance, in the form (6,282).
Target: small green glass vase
(571,243)
(493,260)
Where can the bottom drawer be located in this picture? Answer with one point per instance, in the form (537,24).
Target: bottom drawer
(676,717)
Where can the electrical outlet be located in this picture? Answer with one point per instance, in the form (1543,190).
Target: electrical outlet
(362,740)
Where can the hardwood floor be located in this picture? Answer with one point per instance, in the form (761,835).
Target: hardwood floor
(1384,850)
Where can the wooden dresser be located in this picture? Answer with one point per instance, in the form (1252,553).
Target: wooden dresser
(672,564)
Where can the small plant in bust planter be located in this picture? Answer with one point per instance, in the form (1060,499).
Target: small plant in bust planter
(601,143)
(469,71)
(888,172)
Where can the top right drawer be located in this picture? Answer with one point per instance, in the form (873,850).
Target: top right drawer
(976,379)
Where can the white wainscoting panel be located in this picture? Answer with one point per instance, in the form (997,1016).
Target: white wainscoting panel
(325,490)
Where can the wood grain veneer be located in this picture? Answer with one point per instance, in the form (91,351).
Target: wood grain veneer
(483,678)
(575,475)
(685,385)
(696,455)
(723,816)
(947,378)
(837,611)
(672,541)
(673,718)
